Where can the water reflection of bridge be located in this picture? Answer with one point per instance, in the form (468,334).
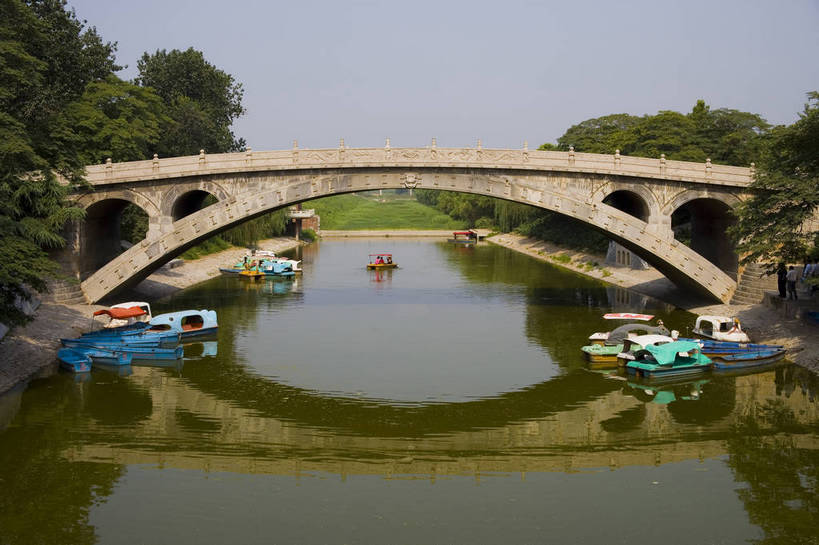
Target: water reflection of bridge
(189,429)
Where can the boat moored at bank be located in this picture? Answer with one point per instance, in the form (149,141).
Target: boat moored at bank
(673,359)
(187,323)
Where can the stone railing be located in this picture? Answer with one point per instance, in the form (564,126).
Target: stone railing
(427,157)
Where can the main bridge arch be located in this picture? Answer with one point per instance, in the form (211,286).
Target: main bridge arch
(571,193)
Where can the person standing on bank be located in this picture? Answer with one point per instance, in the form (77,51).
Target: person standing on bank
(791,279)
(781,279)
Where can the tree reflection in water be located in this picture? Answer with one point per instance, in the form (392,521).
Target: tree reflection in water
(781,475)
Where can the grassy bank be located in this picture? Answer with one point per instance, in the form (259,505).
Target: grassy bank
(372,211)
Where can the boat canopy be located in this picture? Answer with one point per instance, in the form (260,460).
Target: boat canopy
(627,316)
(618,335)
(647,340)
(121,313)
(667,353)
(382,255)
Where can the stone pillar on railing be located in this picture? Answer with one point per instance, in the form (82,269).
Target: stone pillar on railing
(617,159)
(479,150)
(387,150)
(341,150)
(525,151)
(295,151)
(201,157)
(109,168)
(249,156)
(662,163)
(752,170)
(708,168)
(155,163)
(433,149)
(571,156)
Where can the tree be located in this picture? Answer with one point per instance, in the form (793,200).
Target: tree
(113,119)
(778,222)
(47,57)
(598,135)
(201,101)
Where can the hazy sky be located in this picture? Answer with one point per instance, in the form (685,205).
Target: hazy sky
(504,72)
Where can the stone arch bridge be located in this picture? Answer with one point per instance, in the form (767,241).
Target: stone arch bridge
(632,200)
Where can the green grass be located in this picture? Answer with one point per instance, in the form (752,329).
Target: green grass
(210,246)
(355,212)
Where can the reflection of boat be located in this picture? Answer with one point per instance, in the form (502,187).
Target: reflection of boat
(673,359)
(205,349)
(750,358)
(120,370)
(720,328)
(74,360)
(668,392)
(381,261)
(188,323)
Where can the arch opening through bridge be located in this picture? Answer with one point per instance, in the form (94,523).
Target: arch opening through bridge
(702,225)
(102,232)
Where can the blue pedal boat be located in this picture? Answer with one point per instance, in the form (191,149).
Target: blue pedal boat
(744,360)
(108,356)
(277,268)
(76,361)
(187,323)
(673,359)
(157,339)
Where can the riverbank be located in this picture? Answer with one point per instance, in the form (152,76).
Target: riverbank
(764,324)
(30,351)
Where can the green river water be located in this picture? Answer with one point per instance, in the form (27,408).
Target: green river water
(443,402)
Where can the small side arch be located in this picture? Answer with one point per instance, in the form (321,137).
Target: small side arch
(90,199)
(184,200)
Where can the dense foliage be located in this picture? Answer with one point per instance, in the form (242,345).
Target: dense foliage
(202,102)
(47,60)
(723,135)
(62,107)
(779,222)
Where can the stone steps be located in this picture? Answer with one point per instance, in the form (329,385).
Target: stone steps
(753,283)
(67,292)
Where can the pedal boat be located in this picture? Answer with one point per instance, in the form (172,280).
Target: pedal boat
(633,344)
(674,359)
(385,262)
(252,275)
(751,358)
(720,328)
(187,323)
(73,360)
(603,347)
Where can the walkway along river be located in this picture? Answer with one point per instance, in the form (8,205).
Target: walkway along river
(445,401)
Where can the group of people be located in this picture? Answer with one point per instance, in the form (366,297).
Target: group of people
(380,260)
(789,277)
